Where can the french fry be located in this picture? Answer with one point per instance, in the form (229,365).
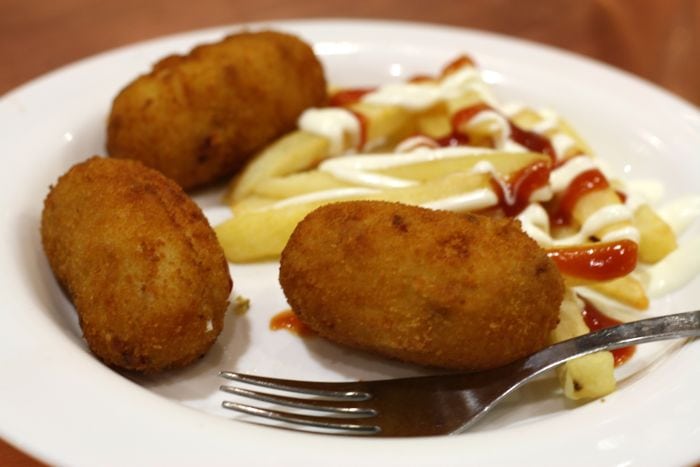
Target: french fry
(252,203)
(503,163)
(528,119)
(293,152)
(627,290)
(253,235)
(435,122)
(297,184)
(580,144)
(385,124)
(585,377)
(656,238)
(464,101)
(259,235)
(592,202)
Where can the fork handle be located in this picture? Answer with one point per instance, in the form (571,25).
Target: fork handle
(638,332)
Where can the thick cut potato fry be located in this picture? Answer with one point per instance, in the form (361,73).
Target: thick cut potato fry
(585,377)
(254,235)
(385,124)
(294,152)
(464,101)
(434,122)
(528,119)
(503,163)
(656,238)
(298,184)
(316,180)
(627,290)
(592,202)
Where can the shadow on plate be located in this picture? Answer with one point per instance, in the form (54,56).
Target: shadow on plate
(34,266)
(541,398)
(200,380)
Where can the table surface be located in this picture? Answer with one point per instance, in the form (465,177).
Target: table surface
(658,41)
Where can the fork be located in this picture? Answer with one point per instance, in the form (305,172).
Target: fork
(432,405)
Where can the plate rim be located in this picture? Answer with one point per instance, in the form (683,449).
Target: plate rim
(402,449)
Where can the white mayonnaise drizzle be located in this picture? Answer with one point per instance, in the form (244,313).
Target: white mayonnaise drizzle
(342,129)
(336,124)
(535,222)
(549,122)
(643,192)
(357,168)
(470,201)
(324,195)
(562,143)
(498,125)
(674,271)
(680,213)
(421,96)
(561,177)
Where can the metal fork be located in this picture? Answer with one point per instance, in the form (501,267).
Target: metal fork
(433,405)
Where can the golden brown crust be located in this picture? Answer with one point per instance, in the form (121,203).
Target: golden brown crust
(140,262)
(428,287)
(200,117)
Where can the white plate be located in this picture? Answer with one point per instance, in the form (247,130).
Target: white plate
(60,404)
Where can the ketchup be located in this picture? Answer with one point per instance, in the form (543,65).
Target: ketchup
(528,139)
(416,79)
(288,320)
(362,120)
(596,261)
(596,320)
(519,187)
(460,62)
(453,139)
(532,141)
(462,116)
(584,183)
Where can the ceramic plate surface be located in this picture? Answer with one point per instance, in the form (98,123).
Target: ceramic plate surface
(60,404)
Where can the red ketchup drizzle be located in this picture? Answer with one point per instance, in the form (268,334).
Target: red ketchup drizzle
(462,116)
(453,139)
(596,320)
(460,62)
(532,141)
(528,139)
(420,79)
(288,320)
(584,183)
(519,187)
(597,261)
(362,137)
(347,97)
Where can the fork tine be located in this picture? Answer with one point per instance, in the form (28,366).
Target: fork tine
(316,422)
(305,404)
(303,387)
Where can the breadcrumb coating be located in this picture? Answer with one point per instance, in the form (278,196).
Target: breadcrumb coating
(140,262)
(456,291)
(200,117)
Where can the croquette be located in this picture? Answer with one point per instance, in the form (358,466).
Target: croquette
(199,117)
(139,261)
(435,288)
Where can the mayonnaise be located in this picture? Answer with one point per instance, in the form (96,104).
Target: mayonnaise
(336,124)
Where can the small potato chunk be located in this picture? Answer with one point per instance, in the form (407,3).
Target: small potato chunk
(139,260)
(428,287)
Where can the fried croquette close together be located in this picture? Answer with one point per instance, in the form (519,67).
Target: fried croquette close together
(140,262)
(200,117)
(435,288)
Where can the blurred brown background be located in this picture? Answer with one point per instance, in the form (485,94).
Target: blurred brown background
(656,39)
